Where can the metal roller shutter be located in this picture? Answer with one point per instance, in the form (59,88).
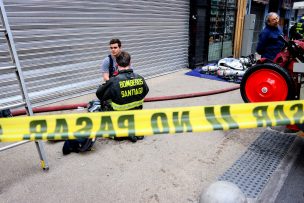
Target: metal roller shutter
(61,43)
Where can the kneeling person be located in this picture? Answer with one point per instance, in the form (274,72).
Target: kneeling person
(126,91)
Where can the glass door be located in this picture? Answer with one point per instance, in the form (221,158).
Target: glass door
(222,22)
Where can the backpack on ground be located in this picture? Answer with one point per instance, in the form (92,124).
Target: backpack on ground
(82,144)
(97,106)
(78,145)
(94,106)
(5,113)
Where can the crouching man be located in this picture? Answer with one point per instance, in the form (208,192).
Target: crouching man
(125,91)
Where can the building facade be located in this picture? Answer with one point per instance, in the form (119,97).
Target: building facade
(61,44)
(212,25)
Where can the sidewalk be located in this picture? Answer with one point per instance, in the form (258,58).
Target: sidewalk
(162,168)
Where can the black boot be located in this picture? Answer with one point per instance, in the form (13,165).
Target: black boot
(140,137)
(133,138)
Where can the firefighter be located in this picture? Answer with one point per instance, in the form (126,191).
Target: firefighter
(297,30)
(126,91)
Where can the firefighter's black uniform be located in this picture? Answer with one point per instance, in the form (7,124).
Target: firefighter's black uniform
(126,91)
(296,32)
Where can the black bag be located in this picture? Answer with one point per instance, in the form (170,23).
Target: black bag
(94,106)
(5,113)
(78,145)
(97,106)
(82,144)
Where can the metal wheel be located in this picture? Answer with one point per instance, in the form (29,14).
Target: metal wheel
(267,82)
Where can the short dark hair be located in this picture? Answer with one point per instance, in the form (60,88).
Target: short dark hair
(123,59)
(115,41)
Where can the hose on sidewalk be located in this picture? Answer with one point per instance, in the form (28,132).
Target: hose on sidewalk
(151,99)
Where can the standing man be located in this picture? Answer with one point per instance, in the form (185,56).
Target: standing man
(125,91)
(296,32)
(270,44)
(109,67)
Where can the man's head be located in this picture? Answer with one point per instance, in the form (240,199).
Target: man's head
(123,60)
(272,19)
(115,46)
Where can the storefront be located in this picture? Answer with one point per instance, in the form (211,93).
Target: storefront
(221,33)
(212,25)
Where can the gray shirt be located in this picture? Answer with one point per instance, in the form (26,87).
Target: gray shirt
(106,63)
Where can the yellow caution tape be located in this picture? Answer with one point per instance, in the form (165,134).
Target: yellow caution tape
(151,122)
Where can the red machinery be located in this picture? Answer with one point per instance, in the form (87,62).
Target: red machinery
(276,80)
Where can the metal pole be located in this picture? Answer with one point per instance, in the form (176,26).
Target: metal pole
(13,145)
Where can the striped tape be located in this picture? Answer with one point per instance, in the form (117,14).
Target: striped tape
(151,122)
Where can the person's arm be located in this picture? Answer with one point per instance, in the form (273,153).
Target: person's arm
(146,88)
(262,43)
(105,76)
(105,69)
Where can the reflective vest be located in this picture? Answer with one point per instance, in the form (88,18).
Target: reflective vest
(300,29)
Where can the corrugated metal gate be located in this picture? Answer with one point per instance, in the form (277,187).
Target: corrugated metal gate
(62,43)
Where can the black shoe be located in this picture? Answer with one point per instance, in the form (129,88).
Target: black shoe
(133,138)
(70,146)
(66,149)
(140,137)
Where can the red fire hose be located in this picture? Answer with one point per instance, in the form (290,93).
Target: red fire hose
(151,99)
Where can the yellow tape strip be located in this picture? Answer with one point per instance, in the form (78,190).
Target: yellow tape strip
(151,122)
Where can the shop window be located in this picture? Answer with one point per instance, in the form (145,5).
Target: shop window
(222,23)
